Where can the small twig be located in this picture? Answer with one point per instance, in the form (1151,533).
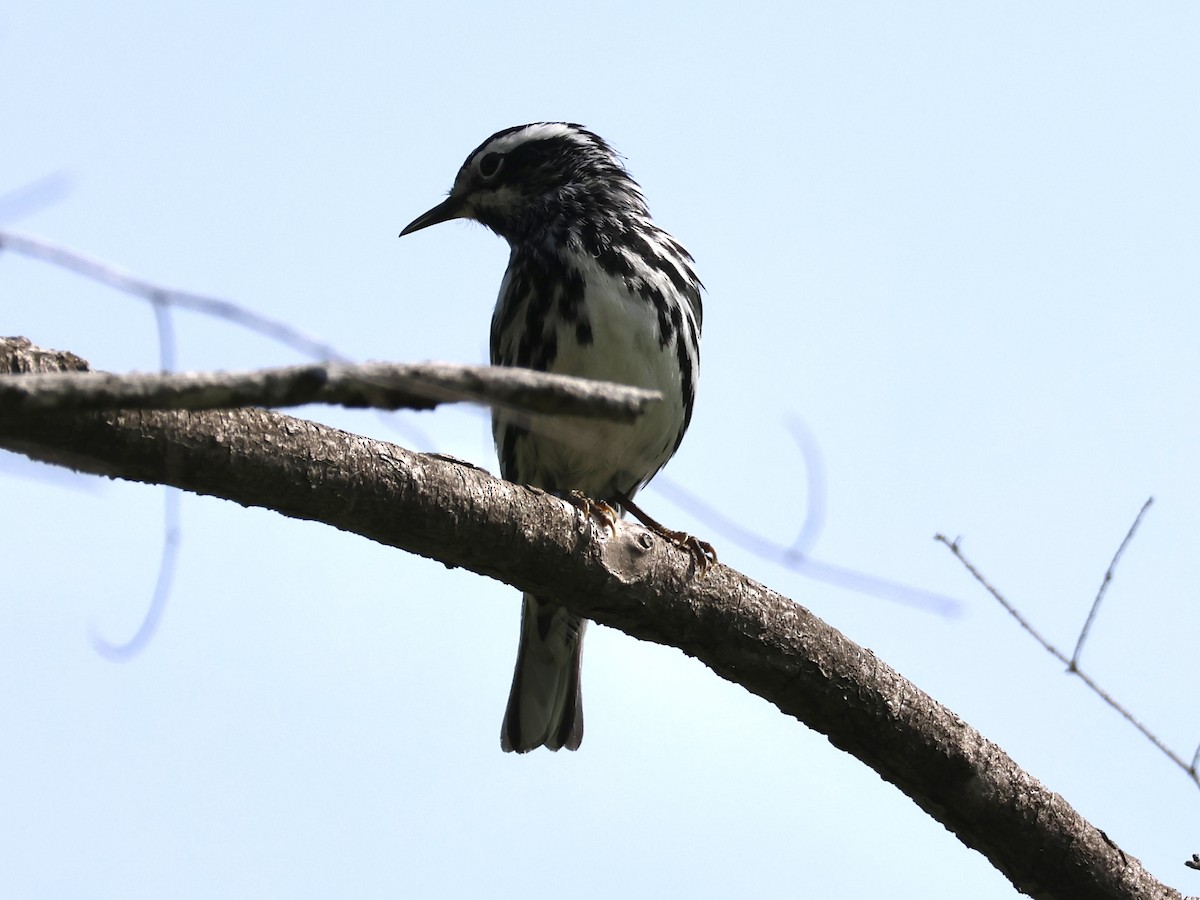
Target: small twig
(1009,608)
(380,385)
(1108,574)
(953,545)
(1129,717)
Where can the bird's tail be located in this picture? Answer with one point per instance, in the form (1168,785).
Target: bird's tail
(545,706)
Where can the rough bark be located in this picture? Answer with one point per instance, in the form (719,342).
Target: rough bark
(379,385)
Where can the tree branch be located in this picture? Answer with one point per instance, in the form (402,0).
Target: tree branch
(742,630)
(379,385)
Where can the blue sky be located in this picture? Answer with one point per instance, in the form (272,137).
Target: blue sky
(957,240)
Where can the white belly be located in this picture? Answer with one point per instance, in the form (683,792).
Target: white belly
(598,458)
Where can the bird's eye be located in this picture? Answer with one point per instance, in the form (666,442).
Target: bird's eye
(489,165)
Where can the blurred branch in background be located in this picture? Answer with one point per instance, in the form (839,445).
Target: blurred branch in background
(34,195)
(88,267)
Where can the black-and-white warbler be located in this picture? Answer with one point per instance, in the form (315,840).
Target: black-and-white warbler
(593,288)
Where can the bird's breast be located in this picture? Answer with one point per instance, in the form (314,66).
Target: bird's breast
(591,323)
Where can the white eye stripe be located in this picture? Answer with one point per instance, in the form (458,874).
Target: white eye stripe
(538,131)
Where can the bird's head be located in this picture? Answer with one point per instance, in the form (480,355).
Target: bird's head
(523,178)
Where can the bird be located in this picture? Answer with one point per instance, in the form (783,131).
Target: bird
(594,288)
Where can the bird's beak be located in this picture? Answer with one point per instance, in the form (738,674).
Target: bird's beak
(453,207)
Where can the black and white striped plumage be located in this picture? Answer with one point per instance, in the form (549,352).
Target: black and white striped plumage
(593,288)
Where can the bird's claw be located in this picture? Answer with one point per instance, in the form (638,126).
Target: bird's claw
(703,553)
(600,510)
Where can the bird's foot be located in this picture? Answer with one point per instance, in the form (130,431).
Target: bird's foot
(600,510)
(702,552)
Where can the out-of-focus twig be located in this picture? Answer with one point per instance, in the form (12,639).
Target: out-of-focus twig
(797,556)
(169,556)
(18,202)
(39,248)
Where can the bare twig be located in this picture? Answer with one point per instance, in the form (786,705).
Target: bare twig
(1146,732)
(1009,608)
(1108,574)
(380,385)
(1071,665)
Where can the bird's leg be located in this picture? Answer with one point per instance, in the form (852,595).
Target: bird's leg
(702,552)
(602,510)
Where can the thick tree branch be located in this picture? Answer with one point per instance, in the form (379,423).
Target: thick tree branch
(379,385)
(742,630)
